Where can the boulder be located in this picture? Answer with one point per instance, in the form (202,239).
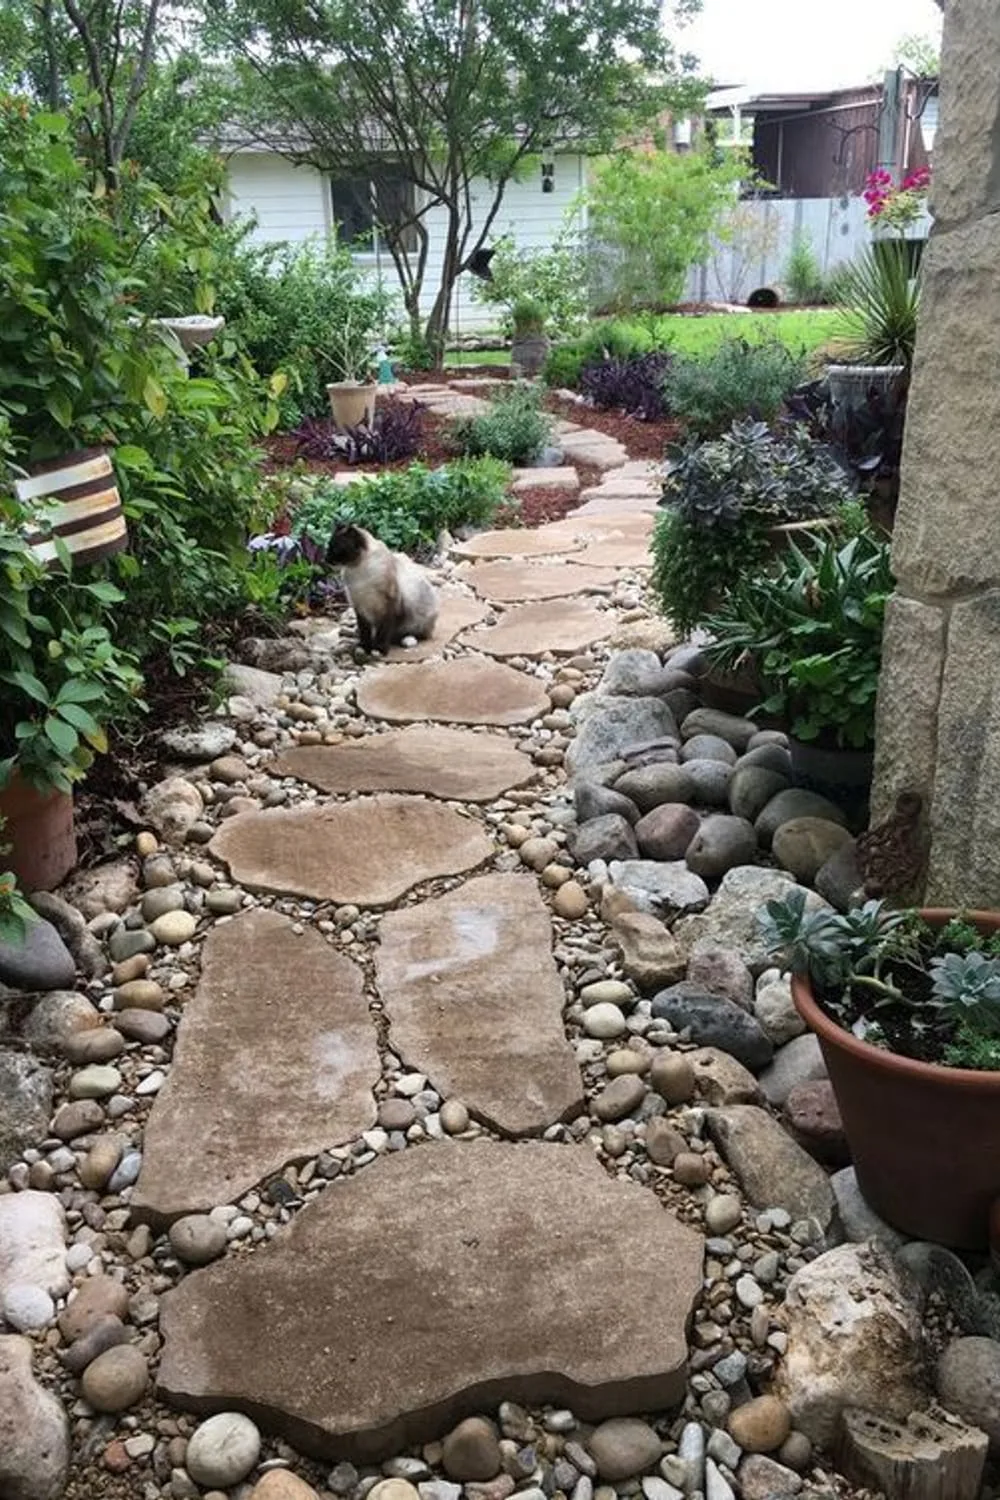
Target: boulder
(798,1061)
(652,785)
(792,804)
(591,800)
(38,961)
(720,844)
(666,832)
(734,730)
(751,788)
(853,1324)
(34,1429)
(709,781)
(608,725)
(608,837)
(650,955)
(712,1021)
(804,845)
(659,888)
(731,919)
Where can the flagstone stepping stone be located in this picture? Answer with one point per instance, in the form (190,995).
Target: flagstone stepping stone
(466,690)
(542,541)
(616,552)
(450,763)
(621,505)
(511,581)
(561,477)
(275,1061)
(457,612)
(475,1002)
(367,852)
(562,626)
(433,1284)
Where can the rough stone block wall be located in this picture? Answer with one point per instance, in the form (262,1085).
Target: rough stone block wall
(939,697)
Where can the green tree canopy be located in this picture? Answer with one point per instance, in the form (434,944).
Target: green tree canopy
(455,98)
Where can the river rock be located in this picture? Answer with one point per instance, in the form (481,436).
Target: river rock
(760,1425)
(172,807)
(804,845)
(223,1450)
(659,888)
(720,1079)
(608,837)
(663,1143)
(840,881)
(721,843)
(106,1333)
(650,955)
(203,742)
(731,919)
(651,786)
(708,747)
(591,800)
(721,971)
(34,1429)
(857,1220)
(709,782)
(116,1380)
(471,1451)
(95,1299)
(622,1096)
(853,1325)
(623,1447)
(968,1383)
(197,1239)
(632,674)
(609,725)
(57,1016)
(775,1009)
(735,731)
(667,831)
(32,1242)
(282,1484)
(98,1044)
(761,1478)
(38,961)
(798,1061)
(813,1119)
(773,1171)
(752,787)
(672,1077)
(712,1021)
(25,1104)
(789,806)
(109,887)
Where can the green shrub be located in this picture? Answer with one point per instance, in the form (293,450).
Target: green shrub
(79,366)
(803,274)
(721,498)
(736,380)
(407,509)
(610,338)
(563,366)
(515,429)
(555,277)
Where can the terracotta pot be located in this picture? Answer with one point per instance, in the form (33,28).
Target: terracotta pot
(39,828)
(352,403)
(924,1138)
(77,500)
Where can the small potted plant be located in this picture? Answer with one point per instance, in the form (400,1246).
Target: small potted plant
(351,360)
(906,1007)
(62,680)
(530,345)
(813,629)
(879,300)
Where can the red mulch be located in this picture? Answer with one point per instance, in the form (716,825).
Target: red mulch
(283,451)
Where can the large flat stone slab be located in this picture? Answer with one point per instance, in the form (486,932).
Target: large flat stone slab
(276,1060)
(560,626)
(616,552)
(466,690)
(450,763)
(539,542)
(438,1282)
(457,612)
(367,852)
(511,582)
(475,1001)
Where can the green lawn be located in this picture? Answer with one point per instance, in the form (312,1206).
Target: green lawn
(478,357)
(799,328)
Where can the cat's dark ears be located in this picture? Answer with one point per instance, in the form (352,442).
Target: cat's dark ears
(344,544)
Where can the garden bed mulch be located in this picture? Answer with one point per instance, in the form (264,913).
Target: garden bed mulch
(640,439)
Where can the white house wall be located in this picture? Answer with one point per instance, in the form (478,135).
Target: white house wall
(292,204)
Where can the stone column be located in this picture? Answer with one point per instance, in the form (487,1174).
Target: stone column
(939,697)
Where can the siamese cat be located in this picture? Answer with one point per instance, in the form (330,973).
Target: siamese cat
(393,599)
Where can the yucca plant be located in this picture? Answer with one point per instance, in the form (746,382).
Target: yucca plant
(879,297)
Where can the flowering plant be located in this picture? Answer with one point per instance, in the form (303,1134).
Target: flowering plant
(896,207)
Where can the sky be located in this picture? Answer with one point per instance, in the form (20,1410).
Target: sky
(789,45)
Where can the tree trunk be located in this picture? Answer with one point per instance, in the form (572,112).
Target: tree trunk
(931,1456)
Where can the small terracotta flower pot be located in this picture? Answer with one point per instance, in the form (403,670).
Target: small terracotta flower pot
(38,826)
(925,1138)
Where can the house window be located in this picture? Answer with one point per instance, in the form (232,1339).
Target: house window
(363,203)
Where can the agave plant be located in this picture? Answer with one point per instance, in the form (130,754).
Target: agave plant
(879,298)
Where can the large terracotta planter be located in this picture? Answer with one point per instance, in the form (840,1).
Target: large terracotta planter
(925,1138)
(352,403)
(77,500)
(39,828)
